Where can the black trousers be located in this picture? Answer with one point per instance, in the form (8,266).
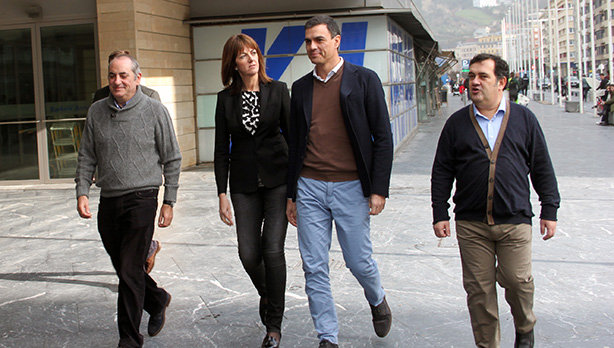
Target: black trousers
(126,226)
(261,235)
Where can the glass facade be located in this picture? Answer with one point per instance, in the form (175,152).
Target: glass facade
(402,84)
(18,145)
(69,79)
(43,108)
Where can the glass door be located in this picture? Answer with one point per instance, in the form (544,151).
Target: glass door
(69,80)
(48,77)
(18,121)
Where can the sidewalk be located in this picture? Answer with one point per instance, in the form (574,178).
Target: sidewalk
(58,288)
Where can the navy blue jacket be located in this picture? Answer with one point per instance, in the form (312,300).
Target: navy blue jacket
(366,119)
(461,156)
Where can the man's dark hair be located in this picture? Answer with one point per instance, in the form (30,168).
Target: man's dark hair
(331,24)
(501,68)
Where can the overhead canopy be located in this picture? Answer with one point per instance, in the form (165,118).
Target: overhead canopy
(411,22)
(445,60)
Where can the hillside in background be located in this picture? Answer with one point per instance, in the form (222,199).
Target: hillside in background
(454,21)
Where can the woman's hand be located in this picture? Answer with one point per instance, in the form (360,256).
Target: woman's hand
(225,211)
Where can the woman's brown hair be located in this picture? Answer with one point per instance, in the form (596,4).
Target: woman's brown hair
(230,76)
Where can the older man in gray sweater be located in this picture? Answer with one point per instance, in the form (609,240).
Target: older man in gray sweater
(130,139)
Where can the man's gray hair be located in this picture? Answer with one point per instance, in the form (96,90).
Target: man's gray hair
(135,67)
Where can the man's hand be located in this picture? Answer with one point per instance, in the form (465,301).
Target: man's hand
(442,228)
(166,216)
(547,228)
(376,204)
(225,211)
(83,207)
(291,212)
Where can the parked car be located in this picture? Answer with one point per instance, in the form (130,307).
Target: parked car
(544,83)
(574,81)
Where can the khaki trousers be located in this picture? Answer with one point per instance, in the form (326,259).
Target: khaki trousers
(490,254)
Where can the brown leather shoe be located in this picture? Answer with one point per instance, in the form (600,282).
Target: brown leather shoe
(151,258)
(382,318)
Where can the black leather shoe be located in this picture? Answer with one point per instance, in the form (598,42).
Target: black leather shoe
(270,342)
(156,322)
(525,340)
(327,344)
(382,318)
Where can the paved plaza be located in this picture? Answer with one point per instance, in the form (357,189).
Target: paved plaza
(58,287)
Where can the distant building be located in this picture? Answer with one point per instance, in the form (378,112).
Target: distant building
(491,44)
(481,32)
(484,3)
(466,50)
(484,44)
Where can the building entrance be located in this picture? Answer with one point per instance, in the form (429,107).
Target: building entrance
(48,75)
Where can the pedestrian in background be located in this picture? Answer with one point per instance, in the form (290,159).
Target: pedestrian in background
(490,148)
(253,112)
(524,84)
(608,106)
(462,90)
(513,87)
(103,93)
(129,138)
(603,85)
(339,170)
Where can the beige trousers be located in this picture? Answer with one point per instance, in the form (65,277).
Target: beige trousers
(491,254)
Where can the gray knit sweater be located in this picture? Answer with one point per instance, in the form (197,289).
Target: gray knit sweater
(132,148)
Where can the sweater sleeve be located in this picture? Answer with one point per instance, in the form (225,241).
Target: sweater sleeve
(170,154)
(86,159)
(542,173)
(442,175)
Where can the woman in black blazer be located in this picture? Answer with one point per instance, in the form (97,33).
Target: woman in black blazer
(251,129)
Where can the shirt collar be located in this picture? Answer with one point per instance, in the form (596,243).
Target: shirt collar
(500,111)
(121,107)
(331,73)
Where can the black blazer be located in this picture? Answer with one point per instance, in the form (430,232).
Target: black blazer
(366,119)
(264,154)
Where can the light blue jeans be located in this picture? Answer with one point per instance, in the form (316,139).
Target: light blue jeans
(318,204)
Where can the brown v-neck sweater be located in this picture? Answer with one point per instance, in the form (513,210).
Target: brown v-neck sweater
(329,156)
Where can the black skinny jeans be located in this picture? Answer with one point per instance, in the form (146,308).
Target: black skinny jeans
(261,234)
(126,226)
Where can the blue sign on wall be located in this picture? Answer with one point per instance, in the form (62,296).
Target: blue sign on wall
(290,39)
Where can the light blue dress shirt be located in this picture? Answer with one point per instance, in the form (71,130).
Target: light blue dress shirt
(492,127)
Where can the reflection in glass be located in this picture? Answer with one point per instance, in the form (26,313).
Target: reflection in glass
(16,76)
(69,73)
(18,152)
(18,149)
(63,145)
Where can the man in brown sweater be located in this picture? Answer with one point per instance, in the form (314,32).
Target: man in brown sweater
(340,159)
